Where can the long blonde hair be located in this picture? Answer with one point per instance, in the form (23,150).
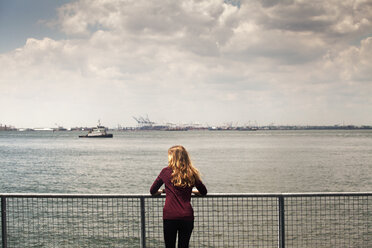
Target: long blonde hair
(184,173)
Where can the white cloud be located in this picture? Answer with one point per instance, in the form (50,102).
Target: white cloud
(263,60)
(355,63)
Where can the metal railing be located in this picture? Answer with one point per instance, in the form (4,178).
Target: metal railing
(221,220)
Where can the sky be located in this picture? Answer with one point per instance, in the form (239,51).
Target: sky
(289,62)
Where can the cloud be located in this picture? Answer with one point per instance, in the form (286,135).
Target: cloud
(330,18)
(354,63)
(263,60)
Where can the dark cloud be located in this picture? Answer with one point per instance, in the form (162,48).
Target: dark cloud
(328,18)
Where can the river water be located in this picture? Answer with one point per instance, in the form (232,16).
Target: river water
(230,161)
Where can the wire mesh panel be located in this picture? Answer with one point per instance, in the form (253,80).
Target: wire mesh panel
(235,222)
(221,220)
(328,221)
(3,199)
(154,222)
(73,222)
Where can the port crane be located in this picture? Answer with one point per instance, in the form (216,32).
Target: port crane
(143,122)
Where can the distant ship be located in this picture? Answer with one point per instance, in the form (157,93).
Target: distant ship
(59,128)
(97,132)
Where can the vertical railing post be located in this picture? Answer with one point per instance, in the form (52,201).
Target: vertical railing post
(143,223)
(3,222)
(281,213)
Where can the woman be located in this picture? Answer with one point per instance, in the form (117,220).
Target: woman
(179,177)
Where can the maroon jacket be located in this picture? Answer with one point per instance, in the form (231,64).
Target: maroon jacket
(177,199)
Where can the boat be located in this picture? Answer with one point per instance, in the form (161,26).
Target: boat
(97,132)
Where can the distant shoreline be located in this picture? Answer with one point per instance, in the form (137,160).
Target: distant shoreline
(190,128)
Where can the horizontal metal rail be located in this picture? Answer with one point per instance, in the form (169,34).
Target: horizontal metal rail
(213,195)
(313,219)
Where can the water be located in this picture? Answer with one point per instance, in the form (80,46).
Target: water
(230,161)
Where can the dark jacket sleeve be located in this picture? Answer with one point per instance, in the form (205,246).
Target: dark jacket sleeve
(201,187)
(156,185)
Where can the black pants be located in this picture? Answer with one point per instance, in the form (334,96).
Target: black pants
(184,229)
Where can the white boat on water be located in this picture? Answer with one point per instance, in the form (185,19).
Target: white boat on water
(97,132)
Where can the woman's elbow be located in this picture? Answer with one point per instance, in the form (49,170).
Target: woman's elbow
(204,193)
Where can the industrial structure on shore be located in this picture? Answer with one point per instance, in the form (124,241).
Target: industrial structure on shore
(145,124)
(7,128)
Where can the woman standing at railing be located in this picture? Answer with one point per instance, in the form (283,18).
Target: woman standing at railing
(179,177)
